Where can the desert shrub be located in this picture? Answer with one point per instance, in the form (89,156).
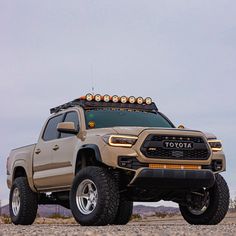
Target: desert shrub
(58,216)
(136,217)
(163,214)
(6,219)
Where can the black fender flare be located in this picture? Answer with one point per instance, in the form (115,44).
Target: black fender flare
(93,147)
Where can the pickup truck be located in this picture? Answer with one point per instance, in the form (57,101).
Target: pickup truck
(96,155)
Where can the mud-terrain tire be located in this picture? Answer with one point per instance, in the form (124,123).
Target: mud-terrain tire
(217,208)
(23,203)
(124,213)
(94,197)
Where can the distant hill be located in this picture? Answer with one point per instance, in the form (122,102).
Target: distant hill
(47,210)
(149,210)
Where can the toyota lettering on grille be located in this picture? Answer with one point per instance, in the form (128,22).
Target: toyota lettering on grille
(177,145)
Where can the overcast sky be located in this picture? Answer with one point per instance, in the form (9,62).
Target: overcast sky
(181,53)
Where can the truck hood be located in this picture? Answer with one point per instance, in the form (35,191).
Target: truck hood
(129,130)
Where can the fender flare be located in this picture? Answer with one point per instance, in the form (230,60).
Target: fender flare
(93,147)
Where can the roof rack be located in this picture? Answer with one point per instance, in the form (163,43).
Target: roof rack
(64,106)
(85,104)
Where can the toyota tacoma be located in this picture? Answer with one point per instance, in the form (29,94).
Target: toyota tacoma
(96,155)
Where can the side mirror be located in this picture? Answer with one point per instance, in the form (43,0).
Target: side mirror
(67,127)
(181,127)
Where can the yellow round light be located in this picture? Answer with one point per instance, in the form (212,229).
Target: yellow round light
(106,98)
(123,99)
(97,97)
(132,99)
(140,100)
(89,97)
(148,100)
(91,124)
(115,98)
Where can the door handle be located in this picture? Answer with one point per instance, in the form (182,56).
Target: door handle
(56,147)
(37,151)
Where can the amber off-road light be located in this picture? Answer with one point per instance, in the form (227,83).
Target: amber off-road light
(140,100)
(106,98)
(120,140)
(148,100)
(123,99)
(97,97)
(175,166)
(216,145)
(132,99)
(89,97)
(115,98)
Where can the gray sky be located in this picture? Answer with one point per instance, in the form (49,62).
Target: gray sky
(181,53)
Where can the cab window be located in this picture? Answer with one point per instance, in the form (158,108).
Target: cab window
(50,131)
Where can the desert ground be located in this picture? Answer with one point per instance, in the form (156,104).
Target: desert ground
(146,226)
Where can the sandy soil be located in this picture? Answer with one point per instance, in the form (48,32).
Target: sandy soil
(147,227)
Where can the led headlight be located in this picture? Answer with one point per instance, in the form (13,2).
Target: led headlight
(106,98)
(120,140)
(148,100)
(140,100)
(97,97)
(132,99)
(89,97)
(123,99)
(215,145)
(115,98)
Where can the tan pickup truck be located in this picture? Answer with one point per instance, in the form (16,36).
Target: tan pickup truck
(98,154)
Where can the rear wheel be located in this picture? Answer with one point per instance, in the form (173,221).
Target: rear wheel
(208,206)
(23,202)
(94,197)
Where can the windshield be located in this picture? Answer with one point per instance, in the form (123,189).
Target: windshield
(104,118)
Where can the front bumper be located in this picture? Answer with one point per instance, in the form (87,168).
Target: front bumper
(173,179)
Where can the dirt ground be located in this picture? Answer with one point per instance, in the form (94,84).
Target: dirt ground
(147,226)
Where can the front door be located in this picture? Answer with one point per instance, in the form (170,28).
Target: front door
(64,152)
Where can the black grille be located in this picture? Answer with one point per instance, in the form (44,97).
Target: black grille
(153,147)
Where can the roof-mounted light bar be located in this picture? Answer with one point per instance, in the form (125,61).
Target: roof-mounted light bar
(90,101)
(123,99)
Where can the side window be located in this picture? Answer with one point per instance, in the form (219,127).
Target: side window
(50,131)
(71,117)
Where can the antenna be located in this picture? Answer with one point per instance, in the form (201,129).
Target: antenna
(92,79)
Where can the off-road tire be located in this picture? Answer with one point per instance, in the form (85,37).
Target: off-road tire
(124,212)
(218,205)
(28,203)
(108,197)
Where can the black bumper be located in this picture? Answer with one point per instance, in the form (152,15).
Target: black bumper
(174,179)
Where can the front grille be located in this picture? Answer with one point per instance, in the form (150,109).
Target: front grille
(153,147)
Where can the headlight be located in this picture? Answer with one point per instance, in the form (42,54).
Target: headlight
(120,140)
(215,145)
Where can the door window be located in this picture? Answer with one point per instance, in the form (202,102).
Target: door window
(50,131)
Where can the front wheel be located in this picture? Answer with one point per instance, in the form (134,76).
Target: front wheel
(207,207)
(94,197)
(124,212)
(23,203)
